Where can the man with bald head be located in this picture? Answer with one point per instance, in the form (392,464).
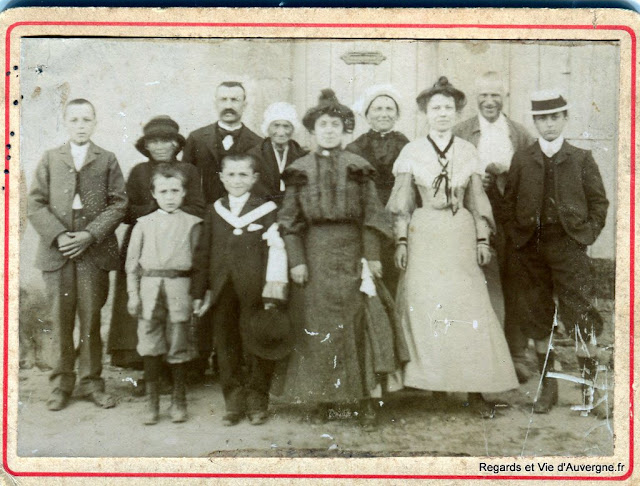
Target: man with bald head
(497,138)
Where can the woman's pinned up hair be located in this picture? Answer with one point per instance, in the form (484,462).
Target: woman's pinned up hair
(328,104)
(442,87)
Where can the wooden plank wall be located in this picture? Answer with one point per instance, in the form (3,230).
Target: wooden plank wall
(586,72)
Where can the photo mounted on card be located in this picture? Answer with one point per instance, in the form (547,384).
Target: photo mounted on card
(366,243)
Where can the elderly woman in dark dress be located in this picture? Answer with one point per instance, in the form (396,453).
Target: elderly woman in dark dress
(380,146)
(161,142)
(331,219)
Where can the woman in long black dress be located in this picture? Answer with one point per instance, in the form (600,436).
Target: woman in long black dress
(331,219)
(380,146)
(161,143)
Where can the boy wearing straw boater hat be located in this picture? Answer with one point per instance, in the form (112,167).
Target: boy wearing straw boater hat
(555,206)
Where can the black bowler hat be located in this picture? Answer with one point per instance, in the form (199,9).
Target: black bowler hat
(270,334)
(163,127)
(547,102)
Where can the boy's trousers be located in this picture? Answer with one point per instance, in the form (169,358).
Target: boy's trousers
(245,378)
(553,263)
(79,286)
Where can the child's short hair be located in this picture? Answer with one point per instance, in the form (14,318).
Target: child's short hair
(167,171)
(79,101)
(564,112)
(237,157)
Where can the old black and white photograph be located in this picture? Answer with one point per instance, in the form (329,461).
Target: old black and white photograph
(317,247)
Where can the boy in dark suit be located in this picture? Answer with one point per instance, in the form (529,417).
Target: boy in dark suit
(555,206)
(230,263)
(76,202)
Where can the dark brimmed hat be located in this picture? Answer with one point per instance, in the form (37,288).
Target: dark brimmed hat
(328,104)
(443,87)
(270,334)
(547,102)
(160,127)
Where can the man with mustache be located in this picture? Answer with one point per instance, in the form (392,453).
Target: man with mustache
(497,138)
(207,146)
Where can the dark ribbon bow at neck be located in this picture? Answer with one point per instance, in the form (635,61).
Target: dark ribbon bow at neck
(234,133)
(444,170)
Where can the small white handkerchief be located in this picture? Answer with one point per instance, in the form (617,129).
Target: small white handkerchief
(254,227)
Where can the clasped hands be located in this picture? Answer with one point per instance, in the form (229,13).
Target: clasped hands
(72,244)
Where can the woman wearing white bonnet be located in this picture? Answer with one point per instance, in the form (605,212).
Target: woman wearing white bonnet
(380,146)
(277,150)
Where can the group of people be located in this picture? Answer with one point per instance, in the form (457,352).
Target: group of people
(325,276)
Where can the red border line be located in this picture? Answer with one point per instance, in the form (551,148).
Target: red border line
(625,28)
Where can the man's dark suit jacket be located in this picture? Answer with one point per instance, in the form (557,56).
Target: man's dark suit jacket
(222,255)
(204,150)
(101,188)
(578,191)
(269,182)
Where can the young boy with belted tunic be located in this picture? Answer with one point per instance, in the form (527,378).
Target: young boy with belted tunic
(555,207)
(76,202)
(158,266)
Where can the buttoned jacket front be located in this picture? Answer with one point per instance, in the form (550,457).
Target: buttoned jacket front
(226,253)
(204,148)
(578,193)
(100,185)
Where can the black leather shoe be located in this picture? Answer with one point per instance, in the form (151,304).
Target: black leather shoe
(231,418)
(58,400)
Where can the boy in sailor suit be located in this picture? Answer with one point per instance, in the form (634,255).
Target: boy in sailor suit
(230,263)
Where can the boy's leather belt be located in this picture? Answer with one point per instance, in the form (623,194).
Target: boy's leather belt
(167,273)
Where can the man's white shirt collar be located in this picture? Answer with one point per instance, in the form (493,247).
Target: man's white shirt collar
(79,154)
(237,203)
(551,148)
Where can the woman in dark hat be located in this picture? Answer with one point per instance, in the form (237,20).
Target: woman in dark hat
(455,340)
(332,223)
(161,142)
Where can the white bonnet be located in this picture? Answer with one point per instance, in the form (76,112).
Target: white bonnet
(371,93)
(279,111)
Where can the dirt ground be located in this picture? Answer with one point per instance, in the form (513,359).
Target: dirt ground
(412,423)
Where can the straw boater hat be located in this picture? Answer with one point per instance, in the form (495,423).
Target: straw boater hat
(279,111)
(361,107)
(547,102)
(160,127)
(328,104)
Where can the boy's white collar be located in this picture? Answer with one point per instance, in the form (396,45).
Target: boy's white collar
(551,148)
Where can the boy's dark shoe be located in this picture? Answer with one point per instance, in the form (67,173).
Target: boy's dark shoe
(231,418)
(258,418)
(58,400)
(548,396)
(101,399)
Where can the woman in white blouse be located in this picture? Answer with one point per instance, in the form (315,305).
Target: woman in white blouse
(455,340)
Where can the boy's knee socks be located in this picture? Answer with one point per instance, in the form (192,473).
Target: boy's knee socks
(152,365)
